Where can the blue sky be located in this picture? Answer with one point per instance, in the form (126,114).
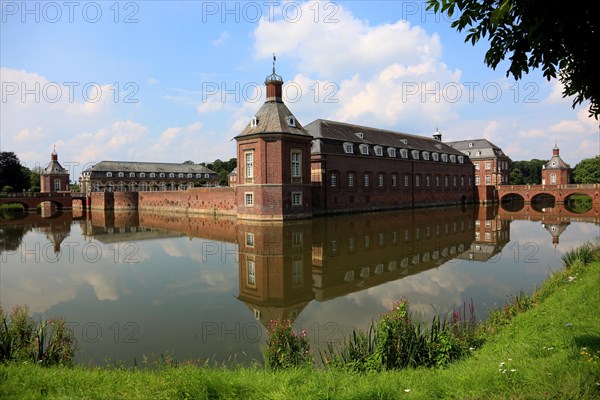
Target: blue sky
(175,81)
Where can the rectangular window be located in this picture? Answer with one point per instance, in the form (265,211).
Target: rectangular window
(297,275)
(477,166)
(437,181)
(391,152)
(249,199)
(250,239)
(348,148)
(350,179)
(417,180)
(296,170)
(379,151)
(366,180)
(297,239)
(297,198)
(454,180)
(380,180)
(364,149)
(56,185)
(333,179)
(394,180)
(553,178)
(427,181)
(251,272)
(477,180)
(488,165)
(406,180)
(249,156)
(446,181)
(488,180)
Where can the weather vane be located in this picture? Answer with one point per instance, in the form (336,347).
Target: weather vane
(274,59)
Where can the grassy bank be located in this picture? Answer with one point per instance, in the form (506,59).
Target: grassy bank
(550,351)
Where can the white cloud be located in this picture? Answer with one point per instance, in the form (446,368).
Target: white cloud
(223,38)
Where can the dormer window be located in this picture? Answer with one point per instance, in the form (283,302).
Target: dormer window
(425,155)
(171,175)
(152,175)
(162,175)
(254,122)
(142,175)
(403,153)
(405,141)
(461,159)
(415,154)
(364,149)
(554,163)
(435,156)
(180,175)
(391,152)
(452,158)
(360,135)
(291,121)
(378,151)
(478,153)
(471,144)
(445,157)
(109,174)
(132,174)
(348,148)
(190,175)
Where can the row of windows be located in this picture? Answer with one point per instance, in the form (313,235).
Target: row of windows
(249,199)
(429,180)
(502,165)
(160,175)
(142,187)
(296,164)
(488,179)
(404,153)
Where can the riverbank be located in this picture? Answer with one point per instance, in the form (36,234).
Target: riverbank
(550,351)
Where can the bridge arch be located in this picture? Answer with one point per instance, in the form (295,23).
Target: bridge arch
(543,202)
(578,202)
(512,202)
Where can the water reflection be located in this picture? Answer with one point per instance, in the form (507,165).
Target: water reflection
(144,283)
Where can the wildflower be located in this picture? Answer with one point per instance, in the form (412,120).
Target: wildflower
(569,324)
(571,278)
(407,390)
(513,370)
(550,348)
(471,348)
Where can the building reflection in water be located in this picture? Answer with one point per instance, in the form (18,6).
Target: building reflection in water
(284,266)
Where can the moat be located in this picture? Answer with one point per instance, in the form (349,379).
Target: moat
(138,284)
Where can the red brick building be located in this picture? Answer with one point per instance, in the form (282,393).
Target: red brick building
(556,171)
(362,168)
(273,152)
(54,178)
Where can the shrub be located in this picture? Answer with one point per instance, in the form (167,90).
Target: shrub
(47,343)
(285,348)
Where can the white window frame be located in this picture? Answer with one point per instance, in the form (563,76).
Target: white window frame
(415,154)
(366,178)
(249,164)
(348,148)
(426,155)
(249,199)
(404,153)
(364,149)
(296,198)
(296,163)
(378,151)
(109,174)
(435,156)
(350,179)
(392,152)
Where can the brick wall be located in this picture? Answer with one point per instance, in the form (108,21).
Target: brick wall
(215,201)
(422,189)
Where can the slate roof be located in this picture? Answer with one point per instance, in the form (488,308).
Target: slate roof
(273,118)
(54,167)
(471,148)
(556,163)
(135,166)
(327,135)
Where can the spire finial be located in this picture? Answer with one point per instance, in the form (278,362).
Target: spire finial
(274,59)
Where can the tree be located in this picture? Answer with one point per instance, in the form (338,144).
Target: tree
(12,173)
(526,172)
(554,35)
(587,171)
(188,162)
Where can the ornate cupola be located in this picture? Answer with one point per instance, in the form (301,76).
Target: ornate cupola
(556,171)
(274,84)
(274,161)
(54,178)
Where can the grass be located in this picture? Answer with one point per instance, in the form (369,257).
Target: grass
(551,350)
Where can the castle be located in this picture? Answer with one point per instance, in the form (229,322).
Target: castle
(290,171)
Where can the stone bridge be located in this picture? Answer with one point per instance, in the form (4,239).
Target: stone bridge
(560,193)
(551,214)
(30,201)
